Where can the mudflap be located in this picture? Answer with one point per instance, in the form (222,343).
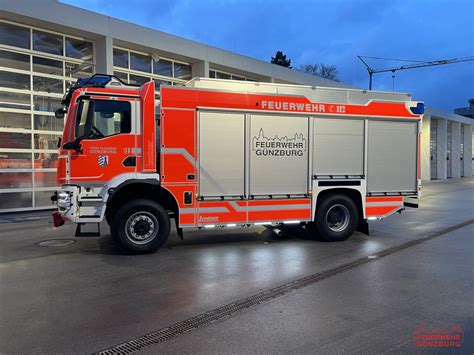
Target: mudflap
(58,220)
(363,227)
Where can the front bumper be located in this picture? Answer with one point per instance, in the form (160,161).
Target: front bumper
(79,204)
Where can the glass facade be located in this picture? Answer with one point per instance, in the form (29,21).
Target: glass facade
(36,65)
(216,74)
(137,68)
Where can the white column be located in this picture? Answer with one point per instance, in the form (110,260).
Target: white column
(425,148)
(456,149)
(442,137)
(104,55)
(467,160)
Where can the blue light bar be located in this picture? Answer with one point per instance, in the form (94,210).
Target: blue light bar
(97,80)
(419,109)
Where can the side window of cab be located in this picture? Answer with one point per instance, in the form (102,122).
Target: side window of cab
(98,119)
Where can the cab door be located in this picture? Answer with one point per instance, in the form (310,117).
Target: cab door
(106,130)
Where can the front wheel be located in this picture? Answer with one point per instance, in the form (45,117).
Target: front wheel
(141,226)
(336,219)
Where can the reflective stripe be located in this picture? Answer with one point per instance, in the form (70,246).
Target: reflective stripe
(382,204)
(179,151)
(269,208)
(384,199)
(278,207)
(382,212)
(245,208)
(204,210)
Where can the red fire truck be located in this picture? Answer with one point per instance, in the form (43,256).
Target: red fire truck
(220,153)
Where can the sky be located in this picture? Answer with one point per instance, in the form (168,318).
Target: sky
(332,32)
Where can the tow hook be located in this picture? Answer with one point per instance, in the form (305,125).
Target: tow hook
(58,220)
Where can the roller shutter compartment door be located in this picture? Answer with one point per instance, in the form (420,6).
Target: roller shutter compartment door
(392,156)
(278,150)
(338,147)
(221,154)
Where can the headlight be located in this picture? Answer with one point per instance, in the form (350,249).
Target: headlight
(64,199)
(62,195)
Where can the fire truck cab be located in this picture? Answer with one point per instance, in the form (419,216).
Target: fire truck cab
(218,153)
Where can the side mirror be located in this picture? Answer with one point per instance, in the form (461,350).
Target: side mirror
(59,113)
(74,145)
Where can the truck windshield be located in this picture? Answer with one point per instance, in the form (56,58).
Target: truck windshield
(102,118)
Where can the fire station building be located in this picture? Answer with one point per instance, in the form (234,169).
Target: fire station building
(45,45)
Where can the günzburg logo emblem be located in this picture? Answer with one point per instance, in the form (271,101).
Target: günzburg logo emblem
(103,160)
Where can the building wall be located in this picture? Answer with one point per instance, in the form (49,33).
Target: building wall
(425,148)
(453,140)
(468,162)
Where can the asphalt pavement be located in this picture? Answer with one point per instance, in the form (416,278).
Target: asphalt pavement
(61,294)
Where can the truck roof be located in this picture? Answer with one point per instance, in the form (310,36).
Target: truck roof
(313,93)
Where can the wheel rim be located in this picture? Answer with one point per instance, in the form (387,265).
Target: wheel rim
(337,218)
(141,227)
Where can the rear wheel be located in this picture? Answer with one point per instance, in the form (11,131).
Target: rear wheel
(336,218)
(141,226)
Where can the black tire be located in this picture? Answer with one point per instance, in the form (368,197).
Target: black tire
(141,226)
(109,217)
(336,219)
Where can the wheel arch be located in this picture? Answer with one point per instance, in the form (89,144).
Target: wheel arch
(354,194)
(138,188)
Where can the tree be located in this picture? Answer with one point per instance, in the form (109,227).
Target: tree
(280,59)
(309,68)
(328,72)
(321,70)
